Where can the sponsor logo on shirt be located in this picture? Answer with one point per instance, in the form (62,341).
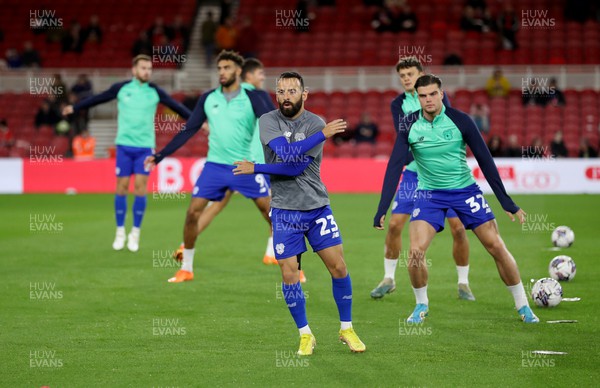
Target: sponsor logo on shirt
(447,134)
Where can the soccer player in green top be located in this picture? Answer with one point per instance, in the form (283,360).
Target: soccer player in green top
(409,69)
(231,111)
(437,136)
(137,100)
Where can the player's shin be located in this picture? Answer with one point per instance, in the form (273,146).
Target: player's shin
(120,210)
(139,208)
(342,293)
(296,302)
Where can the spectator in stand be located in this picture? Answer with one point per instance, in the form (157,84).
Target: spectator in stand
(508,25)
(190,100)
(554,96)
(73,40)
(475,20)
(82,87)
(157,30)
(142,45)
(366,131)
(304,13)
(497,85)
(13,60)
(406,19)
(225,10)
(181,33)
(578,10)
(453,59)
(60,90)
(382,20)
(536,149)
(93,32)
(30,57)
(46,115)
(514,150)
(586,150)
(7,140)
(209,31)
(84,146)
(495,146)
(557,146)
(247,43)
(478,5)
(480,113)
(226,36)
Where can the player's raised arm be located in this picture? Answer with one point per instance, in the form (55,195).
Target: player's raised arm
(107,95)
(484,158)
(260,102)
(192,126)
(393,171)
(166,99)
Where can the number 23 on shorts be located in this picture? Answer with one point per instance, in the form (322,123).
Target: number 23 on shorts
(328,221)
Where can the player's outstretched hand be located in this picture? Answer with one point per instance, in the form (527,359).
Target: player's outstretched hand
(67,110)
(149,163)
(520,215)
(243,168)
(381,223)
(333,127)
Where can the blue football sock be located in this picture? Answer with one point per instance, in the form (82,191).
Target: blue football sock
(294,297)
(139,207)
(342,293)
(120,209)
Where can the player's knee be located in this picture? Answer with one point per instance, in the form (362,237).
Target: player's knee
(395,227)
(495,247)
(458,232)
(338,269)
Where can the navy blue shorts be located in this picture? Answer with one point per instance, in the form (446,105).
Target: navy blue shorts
(130,160)
(215,179)
(291,226)
(468,203)
(405,196)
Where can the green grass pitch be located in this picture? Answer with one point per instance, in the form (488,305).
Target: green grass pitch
(75,313)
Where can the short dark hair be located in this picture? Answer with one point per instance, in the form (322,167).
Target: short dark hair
(250,65)
(230,55)
(408,62)
(140,57)
(428,79)
(291,74)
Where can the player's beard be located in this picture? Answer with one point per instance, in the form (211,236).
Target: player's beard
(290,111)
(228,82)
(142,80)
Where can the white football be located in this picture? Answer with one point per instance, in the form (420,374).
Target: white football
(563,237)
(562,268)
(546,292)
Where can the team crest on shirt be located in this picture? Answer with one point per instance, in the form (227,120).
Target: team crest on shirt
(280,248)
(416,212)
(299,136)
(447,134)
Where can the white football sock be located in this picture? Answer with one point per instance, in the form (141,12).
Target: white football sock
(345,325)
(421,295)
(518,293)
(390,268)
(305,330)
(121,230)
(463,274)
(188,260)
(270,252)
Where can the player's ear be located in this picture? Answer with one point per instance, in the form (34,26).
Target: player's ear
(304,94)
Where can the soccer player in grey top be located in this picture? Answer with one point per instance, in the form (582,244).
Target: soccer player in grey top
(292,139)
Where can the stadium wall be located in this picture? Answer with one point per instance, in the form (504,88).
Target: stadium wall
(520,176)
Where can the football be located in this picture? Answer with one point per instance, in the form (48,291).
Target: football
(546,292)
(562,268)
(563,237)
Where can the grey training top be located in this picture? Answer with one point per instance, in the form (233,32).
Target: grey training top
(305,191)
